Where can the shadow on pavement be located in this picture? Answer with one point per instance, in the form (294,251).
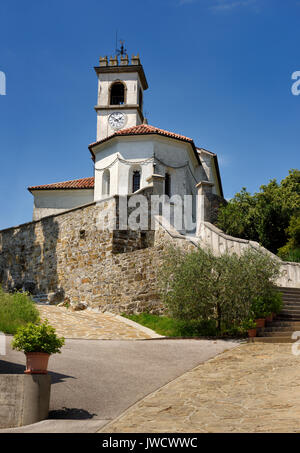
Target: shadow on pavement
(14,368)
(70,414)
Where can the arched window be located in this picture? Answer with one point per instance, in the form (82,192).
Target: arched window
(136,180)
(106,182)
(168,184)
(117,94)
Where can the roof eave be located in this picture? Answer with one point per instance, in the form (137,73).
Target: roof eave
(100,142)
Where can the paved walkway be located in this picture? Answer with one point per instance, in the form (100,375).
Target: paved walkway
(90,325)
(95,381)
(252,388)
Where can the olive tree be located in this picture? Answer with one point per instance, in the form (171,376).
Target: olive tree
(198,285)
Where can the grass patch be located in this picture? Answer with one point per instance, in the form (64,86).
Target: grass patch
(16,310)
(169,327)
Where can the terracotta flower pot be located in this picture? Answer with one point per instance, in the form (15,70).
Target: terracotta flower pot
(260,322)
(36,363)
(269,318)
(252,333)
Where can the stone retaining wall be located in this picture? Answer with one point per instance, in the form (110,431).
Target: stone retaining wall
(77,255)
(219,242)
(72,256)
(24,399)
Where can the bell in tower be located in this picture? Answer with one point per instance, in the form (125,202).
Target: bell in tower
(121,85)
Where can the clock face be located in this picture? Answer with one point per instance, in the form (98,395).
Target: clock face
(117,120)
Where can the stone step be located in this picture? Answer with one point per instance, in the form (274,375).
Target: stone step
(291,306)
(289,309)
(289,291)
(287,317)
(288,295)
(271,340)
(276,333)
(279,329)
(283,323)
(41,299)
(291,298)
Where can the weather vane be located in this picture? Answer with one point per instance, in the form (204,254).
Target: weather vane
(122,51)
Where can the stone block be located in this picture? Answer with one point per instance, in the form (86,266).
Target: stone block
(24,399)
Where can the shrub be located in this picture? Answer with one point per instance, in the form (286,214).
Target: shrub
(37,338)
(267,304)
(248,324)
(201,286)
(259,308)
(16,310)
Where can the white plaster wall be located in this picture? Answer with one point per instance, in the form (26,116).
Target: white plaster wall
(133,85)
(174,153)
(128,148)
(210,170)
(131,80)
(48,202)
(103,127)
(139,148)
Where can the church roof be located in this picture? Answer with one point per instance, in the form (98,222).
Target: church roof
(146,129)
(84,183)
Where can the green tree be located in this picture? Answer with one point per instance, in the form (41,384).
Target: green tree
(201,286)
(265,216)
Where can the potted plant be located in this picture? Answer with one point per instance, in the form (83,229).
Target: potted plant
(250,326)
(276,303)
(269,317)
(38,342)
(258,309)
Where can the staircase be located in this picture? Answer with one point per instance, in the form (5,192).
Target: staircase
(41,299)
(286,323)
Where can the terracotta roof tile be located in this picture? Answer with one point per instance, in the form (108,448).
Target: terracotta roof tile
(143,129)
(146,129)
(84,183)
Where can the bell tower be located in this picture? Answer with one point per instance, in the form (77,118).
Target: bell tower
(121,86)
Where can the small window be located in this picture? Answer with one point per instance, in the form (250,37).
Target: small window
(106,183)
(117,94)
(136,181)
(168,185)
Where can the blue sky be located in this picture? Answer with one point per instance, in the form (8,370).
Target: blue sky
(219,71)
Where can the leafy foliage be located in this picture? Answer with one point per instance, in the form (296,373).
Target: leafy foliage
(16,310)
(201,286)
(267,304)
(270,216)
(291,251)
(37,338)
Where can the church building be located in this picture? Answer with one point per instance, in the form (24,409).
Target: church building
(128,152)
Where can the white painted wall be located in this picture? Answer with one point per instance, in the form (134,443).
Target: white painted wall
(169,153)
(48,202)
(133,84)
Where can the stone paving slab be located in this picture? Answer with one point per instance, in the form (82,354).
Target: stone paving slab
(90,325)
(252,388)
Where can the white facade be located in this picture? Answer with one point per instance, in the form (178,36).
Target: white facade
(49,202)
(133,113)
(125,163)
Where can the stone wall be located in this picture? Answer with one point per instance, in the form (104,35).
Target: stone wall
(82,255)
(72,255)
(219,242)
